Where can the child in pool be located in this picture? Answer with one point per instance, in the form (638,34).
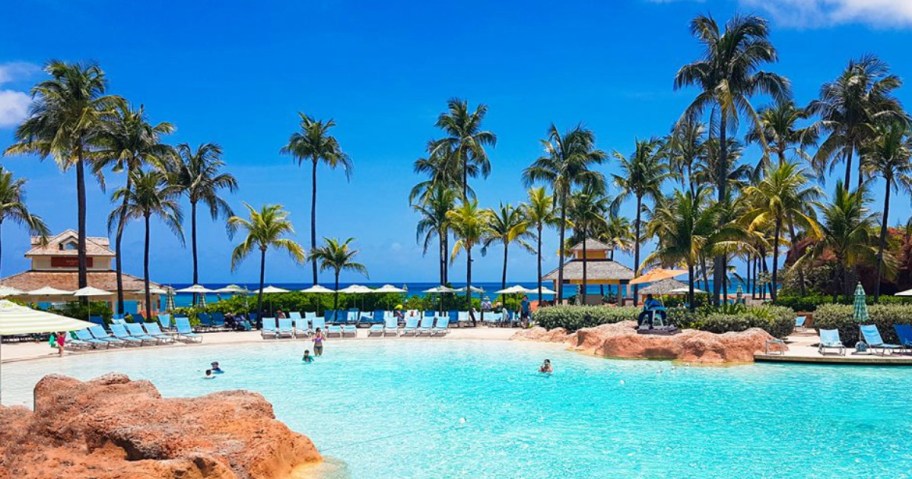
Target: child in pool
(546,367)
(307,358)
(208,374)
(215,368)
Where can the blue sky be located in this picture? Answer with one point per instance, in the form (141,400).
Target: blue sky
(236,73)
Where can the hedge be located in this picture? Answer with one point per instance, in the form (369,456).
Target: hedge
(572,318)
(841,317)
(810,302)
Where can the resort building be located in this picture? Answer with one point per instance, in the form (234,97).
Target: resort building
(55,265)
(599,271)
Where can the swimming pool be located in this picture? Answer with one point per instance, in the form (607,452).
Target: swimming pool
(441,409)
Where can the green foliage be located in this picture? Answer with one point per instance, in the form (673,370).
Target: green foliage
(572,318)
(884,316)
(76,309)
(776,320)
(812,302)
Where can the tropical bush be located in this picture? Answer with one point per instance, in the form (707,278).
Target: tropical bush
(811,302)
(76,309)
(776,320)
(572,318)
(841,317)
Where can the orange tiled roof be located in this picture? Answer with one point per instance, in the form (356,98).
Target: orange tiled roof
(69,280)
(95,245)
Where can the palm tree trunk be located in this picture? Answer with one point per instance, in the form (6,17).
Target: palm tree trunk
(539,257)
(193,245)
(81,220)
(801,286)
(469,283)
(1,248)
(585,282)
(441,252)
(883,239)
(848,162)
(690,285)
(774,283)
(118,251)
(749,260)
(146,270)
(446,266)
(636,249)
(313,218)
(503,277)
(336,298)
(262,281)
(560,256)
(721,186)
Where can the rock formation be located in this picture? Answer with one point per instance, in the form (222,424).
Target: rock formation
(115,428)
(621,340)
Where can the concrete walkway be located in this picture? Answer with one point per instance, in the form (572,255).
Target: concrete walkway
(802,348)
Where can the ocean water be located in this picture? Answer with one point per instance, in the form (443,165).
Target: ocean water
(427,408)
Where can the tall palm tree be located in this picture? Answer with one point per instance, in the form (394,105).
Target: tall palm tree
(265,229)
(470,225)
(888,156)
(314,143)
(197,175)
(618,234)
(433,210)
(850,106)
(465,141)
(151,195)
(441,169)
(507,225)
(64,120)
(539,212)
(642,175)
(782,198)
(587,211)
(337,256)
(779,124)
(686,146)
(567,163)
(727,75)
(847,228)
(127,142)
(13,208)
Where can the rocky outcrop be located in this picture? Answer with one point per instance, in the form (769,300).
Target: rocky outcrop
(115,428)
(621,340)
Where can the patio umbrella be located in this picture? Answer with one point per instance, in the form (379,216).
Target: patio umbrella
(907,292)
(357,289)
(317,289)
(272,290)
(861,308)
(231,289)
(685,291)
(49,291)
(438,290)
(475,289)
(739,294)
(169,299)
(197,290)
(388,288)
(89,291)
(516,289)
(657,274)
(11,291)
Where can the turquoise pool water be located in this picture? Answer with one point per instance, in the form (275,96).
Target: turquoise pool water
(443,409)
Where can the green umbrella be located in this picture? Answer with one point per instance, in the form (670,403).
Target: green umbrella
(202,300)
(861,308)
(169,299)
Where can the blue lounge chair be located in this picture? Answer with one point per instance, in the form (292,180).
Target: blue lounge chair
(120,332)
(376,329)
(340,316)
(377,317)
(301,326)
(97,320)
(872,337)
(799,321)
(411,326)
(205,321)
(391,327)
(829,339)
(85,336)
(349,330)
(353,316)
(185,332)
(75,344)
(904,334)
(136,331)
(218,320)
(454,317)
(99,333)
(427,325)
(442,326)
(334,330)
(269,328)
(165,321)
(285,329)
(318,322)
(153,330)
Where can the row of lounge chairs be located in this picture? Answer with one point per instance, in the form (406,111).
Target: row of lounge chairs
(305,327)
(132,334)
(829,340)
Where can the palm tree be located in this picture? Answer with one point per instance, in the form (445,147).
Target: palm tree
(465,141)
(197,175)
(850,106)
(782,198)
(13,208)
(779,126)
(433,210)
(64,120)
(728,75)
(470,225)
(151,195)
(567,163)
(127,142)
(887,156)
(587,211)
(441,169)
(847,232)
(618,234)
(507,225)
(642,175)
(265,229)
(539,212)
(686,146)
(314,143)
(337,256)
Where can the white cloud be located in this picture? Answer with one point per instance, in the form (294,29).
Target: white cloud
(821,13)
(15,71)
(14,104)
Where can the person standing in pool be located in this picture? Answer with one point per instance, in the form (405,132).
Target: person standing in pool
(318,342)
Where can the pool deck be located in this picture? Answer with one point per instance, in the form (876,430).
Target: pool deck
(802,348)
(25,351)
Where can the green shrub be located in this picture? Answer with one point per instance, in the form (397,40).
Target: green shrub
(776,320)
(76,309)
(572,318)
(841,317)
(810,302)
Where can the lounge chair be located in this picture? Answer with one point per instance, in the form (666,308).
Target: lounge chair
(205,321)
(120,332)
(218,320)
(269,328)
(377,321)
(494,318)
(136,331)
(411,327)
(100,334)
(165,321)
(829,339)
(442,326)
(904,334)
(454,317)
(463,318)
(97,320)
(334,330)
(153,330)
(185,332)
(85,336)
(352,316)
(285,329)
(349,330)
(427,326)
(318,322)
(872,337)
(391,327)
(75,344)
(799,322)
(301,326)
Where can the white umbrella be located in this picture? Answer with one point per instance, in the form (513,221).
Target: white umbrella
(685,291)
(545,290)
(271,290)
(475,289)
(195,289)
(388,288)
(317,289)
(517,289)
(231,289)
(439,289)
(91,291)
(356,289)
(15,319)
(907,292)
(10,291)
(49,291)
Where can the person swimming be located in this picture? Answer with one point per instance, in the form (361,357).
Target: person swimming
(208,374)
(307,358)
(215,368)
(546,367)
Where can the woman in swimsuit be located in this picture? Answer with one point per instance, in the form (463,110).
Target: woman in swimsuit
(318,342)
